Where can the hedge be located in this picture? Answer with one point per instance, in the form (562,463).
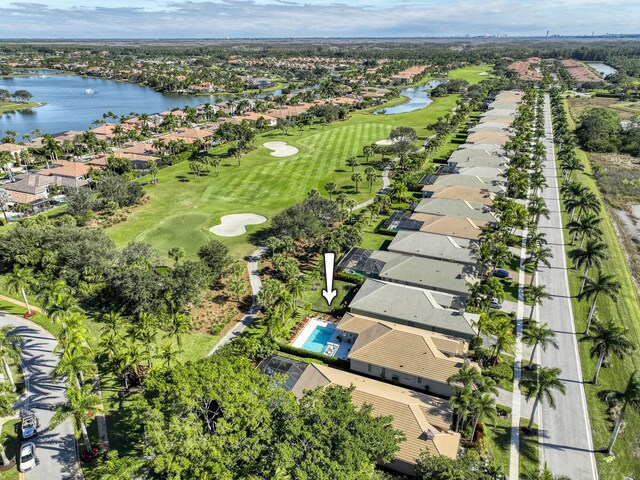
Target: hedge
(301,352)
(350,278)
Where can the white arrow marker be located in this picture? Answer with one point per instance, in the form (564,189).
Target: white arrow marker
(329,260)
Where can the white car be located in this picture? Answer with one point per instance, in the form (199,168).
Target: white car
(27,457)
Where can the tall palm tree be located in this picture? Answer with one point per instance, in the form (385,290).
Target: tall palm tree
(10,346)
(535,295)
(482,407)
(539,384)
(20,280)
(356,178)
(74,367)
(603,284)
(459,403)
(541,335)
(539,255)
(467,376)
(629,398)
(586,225)
(179,325)
(56,298)
(608,339)
(168,354)
(592,254)
(79,402)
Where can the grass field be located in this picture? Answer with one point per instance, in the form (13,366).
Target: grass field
(13,106)
(182,208)
(626,311)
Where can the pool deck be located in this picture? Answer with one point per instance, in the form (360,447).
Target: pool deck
(303,336)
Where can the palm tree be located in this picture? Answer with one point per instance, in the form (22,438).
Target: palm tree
(540,255)
(535,295)
(356,178)
(7,400)
(152,166)
(168,354)
(20,280)
(56,298)
(586,225)
(592,254)
(79,402)
(74,367)
(353,163)
(351,203)
(608,339)
(629,398)
(483,406)
(467,376)
(542,335)
(539,384)
(330,188)
(10,346)
(603,283)
(179,324)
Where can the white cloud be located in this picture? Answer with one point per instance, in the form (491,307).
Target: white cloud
(307,18)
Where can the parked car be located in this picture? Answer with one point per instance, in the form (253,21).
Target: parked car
(495,303)
(500,273)
(27,457)
(29,426)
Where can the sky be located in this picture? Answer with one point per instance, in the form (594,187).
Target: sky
(313,18)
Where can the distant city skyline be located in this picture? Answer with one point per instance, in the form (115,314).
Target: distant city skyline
(314,18)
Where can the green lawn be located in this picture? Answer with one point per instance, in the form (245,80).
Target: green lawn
(182,208)
(498,438)
(13,106)
(11,444)
(625,310)
(472,73)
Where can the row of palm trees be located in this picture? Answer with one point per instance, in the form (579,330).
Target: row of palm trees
(607,337)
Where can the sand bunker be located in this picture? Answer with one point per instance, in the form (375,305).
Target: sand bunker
(385,143)
(281,149)
(234,225)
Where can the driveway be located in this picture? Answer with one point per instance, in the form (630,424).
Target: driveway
(565,438)
(56,450)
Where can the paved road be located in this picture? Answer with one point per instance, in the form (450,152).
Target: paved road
(256,286)
(56,449)
(566,444)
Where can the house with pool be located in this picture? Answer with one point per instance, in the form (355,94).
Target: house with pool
(404,355)
(424,419)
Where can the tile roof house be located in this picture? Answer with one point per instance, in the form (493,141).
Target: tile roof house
(418,308)
(463,181)
(432,245)
(455,208)
(13,149)
(456,192)
(405,355)
(425,420)
(449,225)
(65,168)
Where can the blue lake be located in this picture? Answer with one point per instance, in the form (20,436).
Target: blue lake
(602,68)
(418,98)
(69,107)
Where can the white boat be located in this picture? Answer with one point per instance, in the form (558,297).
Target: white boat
(88,91)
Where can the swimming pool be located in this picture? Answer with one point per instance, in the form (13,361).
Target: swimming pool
(319,337)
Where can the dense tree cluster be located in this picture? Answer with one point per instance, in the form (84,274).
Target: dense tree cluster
(600,131)
(221,418)
(133,280)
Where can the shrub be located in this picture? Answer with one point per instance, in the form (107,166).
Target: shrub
(300,352)
(502,371)
(350,278)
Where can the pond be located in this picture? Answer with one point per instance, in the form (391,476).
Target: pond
(602,68)
(419,97)
(73,102)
